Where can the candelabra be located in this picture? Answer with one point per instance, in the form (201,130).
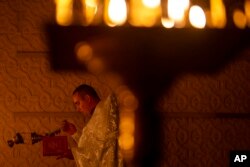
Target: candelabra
(148,45)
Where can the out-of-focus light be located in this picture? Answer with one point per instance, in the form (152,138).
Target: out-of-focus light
(167,23)
(197,17)
(247,11)
(116,12)
(218,13)
(208,18)
(84,54)
(126,141)
(239,18)
(64,12)
(127,124)
(151,3)
(95,65)
(128,104)
(90,10)
(177,11)
(141,15)
(83,51)
(128,100)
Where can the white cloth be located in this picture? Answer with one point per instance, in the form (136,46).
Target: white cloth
(97,145)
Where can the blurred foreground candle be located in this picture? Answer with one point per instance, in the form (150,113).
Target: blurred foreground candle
(144,13)
(64,12)
(218,14)
(115,12)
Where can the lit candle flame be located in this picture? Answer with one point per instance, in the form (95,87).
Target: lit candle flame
(144,13)
(64,13)
(218,13)
(167,23)
(247,11)
(197,17)
(151,3)
(90,10)
(177,11)
(117,12)
(240,20)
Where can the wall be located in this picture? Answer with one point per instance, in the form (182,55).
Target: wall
(205,115)
(33,98)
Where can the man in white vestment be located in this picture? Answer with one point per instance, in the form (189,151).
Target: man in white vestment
(96,145)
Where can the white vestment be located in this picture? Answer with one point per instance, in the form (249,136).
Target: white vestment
(97,146)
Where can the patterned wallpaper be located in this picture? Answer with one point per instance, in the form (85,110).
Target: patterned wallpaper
(202,113)
(33,98)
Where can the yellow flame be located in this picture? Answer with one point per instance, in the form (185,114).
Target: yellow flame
(177,9)
(151,3)
(90,10)
(144,14)
(197,17)
(64,13)
(239,18)
(167,23)
(218,13)
(247,11)
(116,12)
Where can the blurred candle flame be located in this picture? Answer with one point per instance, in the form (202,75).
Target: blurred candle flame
(247,11)
(239,19)
(197,17)
(64,12)
(177,11)
(116,12)
(90,10)
(167,23)
(218,13)
(151,3)
(144,13)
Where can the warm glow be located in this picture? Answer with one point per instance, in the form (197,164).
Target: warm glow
(126,141)
(247,11)
(95,65)
(117,12)
(167,23)
(151,3)
(239,18)
(128,104)
(64,14)
(90,10)
(141,15)
(218,13)
(177,9)
(197,17)
(127,124)
(84,52)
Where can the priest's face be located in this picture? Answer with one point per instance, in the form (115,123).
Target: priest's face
(82,104)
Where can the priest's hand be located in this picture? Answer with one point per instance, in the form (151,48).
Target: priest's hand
(69,127)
